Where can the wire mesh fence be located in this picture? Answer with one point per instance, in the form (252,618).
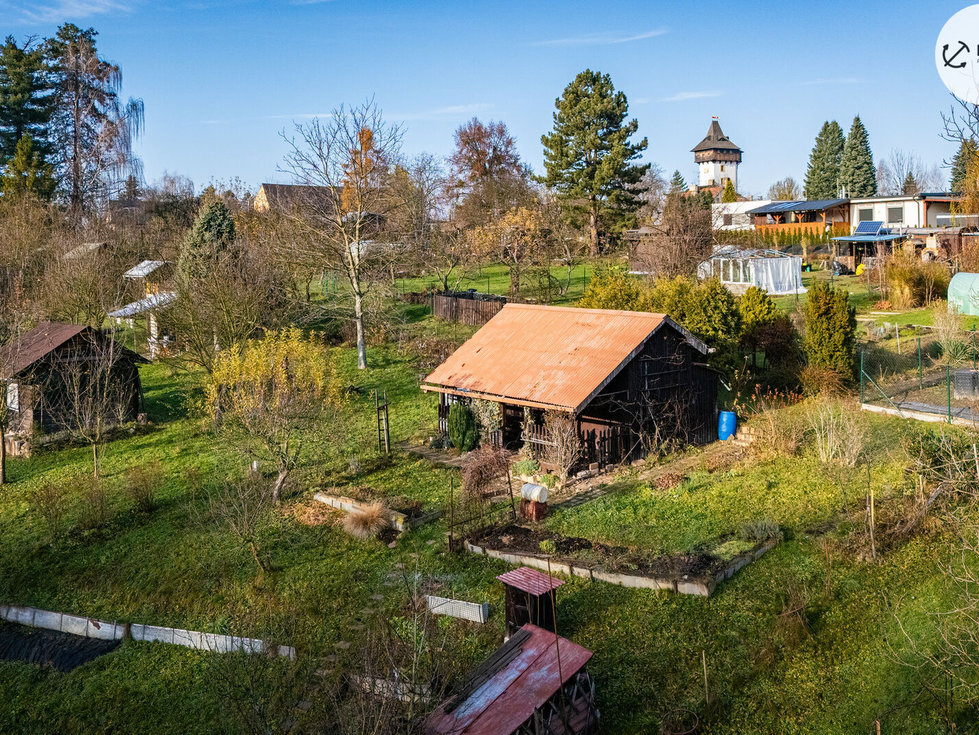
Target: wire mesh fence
(925,372)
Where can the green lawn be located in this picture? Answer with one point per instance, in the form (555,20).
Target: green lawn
(832,673)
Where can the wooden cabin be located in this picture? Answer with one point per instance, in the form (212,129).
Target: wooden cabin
(46,368)
(623,376)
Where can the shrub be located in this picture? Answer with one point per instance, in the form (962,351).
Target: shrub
(831,326)
(366,522)
(94,502)
(49,502)
(489,417)
(838,432)
(713,316)
(614,289)
(482,467)
(463,432)
(821,381)
(757,310)
(549,481)
(948,331)
(142,482)
(763,529)
(673,296)
(525,467)
(548,546)
(912,283)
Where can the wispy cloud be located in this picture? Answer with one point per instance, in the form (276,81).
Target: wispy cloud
(56,11)
(601,39)
(691,95)
(837,80)
(443,112)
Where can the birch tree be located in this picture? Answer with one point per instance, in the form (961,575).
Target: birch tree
(344,163)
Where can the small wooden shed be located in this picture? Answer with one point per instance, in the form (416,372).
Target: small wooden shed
(623,376)
(529,598)
(534,684)
(45,367)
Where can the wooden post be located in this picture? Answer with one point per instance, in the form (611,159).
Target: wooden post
(870,501)
(703,658)
(451,514)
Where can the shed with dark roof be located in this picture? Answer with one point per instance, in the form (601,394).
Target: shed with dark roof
(54,367)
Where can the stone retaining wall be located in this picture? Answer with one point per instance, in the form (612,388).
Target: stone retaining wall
(699,587)
(103,630)
(399,521)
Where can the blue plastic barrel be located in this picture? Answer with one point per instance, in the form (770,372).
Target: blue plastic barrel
(727,422)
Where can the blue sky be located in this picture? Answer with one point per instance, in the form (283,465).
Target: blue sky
(221,78)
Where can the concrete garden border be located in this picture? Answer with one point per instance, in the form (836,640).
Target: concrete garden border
(698,587)
(106,631)
(399,521)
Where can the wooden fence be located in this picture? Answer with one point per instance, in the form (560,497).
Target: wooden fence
(472,309)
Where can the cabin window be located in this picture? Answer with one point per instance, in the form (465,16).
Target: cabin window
(895,215)
(865,215)
(728,220)
(13,397)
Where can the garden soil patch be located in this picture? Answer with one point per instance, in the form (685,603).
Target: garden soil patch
(60,651)
(521,539)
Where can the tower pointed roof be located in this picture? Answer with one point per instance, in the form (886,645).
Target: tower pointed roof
(715,140)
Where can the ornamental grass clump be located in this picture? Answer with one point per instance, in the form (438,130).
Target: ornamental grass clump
(367,522)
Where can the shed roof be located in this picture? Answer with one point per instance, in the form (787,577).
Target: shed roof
(286,196)
(549,357)
(19,354)
(22,353)
(159,300)
(803,205)
(715,140)
(530,580)
(143,269)
(505,690)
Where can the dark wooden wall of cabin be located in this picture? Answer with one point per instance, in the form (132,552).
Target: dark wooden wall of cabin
(665,384)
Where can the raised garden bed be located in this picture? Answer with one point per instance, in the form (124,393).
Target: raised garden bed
(403,513)
(693,574)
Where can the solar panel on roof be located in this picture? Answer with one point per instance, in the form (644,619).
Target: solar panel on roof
(869,227)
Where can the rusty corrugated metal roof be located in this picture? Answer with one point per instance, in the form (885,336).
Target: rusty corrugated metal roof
(505,696)
(547,356)
(530,580)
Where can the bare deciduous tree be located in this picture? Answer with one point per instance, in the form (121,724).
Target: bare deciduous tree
(902,173)
(90,390)
(682,240)
(786,189)
(346,161)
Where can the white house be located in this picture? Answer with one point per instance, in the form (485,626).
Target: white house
(916,210)
(734,215)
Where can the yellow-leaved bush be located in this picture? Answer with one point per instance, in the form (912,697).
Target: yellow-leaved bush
(273,390)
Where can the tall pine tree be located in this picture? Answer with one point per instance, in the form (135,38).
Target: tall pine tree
(858,177)
(677,184)
(212,234)
(967,152)
(823,174)
(589,158)
(26,97)
(27,174)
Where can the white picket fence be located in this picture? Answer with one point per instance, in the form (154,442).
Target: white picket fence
(103,630)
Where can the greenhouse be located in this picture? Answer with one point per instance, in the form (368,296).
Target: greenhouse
(963,293)
(776,272)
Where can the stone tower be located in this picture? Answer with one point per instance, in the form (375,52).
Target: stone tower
(717,158)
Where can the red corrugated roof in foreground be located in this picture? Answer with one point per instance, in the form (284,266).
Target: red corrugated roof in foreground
(530,580)
(545,356)
(508,696)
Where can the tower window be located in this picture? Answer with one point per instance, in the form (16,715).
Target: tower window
(722,168)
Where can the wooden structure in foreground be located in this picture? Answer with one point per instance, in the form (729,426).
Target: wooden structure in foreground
(534,684)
